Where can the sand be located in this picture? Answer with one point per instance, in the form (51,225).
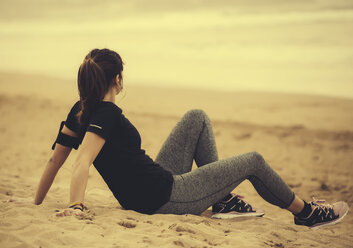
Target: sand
(307,139)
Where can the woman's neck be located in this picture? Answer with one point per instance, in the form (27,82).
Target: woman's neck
(110,96)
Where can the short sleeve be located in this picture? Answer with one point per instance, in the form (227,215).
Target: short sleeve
(71,120)
(71,123)
(103,120)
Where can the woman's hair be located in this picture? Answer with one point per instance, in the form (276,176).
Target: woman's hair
(96,76)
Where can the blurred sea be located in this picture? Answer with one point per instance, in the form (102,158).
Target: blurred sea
(282,46)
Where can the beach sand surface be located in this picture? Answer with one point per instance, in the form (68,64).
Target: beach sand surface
(307,139)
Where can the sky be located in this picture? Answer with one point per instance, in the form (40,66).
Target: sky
(263,45)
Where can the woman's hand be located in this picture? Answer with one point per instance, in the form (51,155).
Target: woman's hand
(76,208)
(69,212)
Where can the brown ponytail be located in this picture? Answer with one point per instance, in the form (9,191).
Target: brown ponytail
(96,75)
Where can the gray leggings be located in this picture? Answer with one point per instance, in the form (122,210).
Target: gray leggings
(195,191)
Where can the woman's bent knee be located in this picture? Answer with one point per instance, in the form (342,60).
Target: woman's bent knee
(257,157)
(196,113)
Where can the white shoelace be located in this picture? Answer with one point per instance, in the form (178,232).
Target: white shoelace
(319,204)
(240,197)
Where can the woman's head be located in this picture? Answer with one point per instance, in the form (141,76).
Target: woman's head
(100,71)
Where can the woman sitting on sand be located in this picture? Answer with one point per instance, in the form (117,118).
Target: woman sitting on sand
(166,185)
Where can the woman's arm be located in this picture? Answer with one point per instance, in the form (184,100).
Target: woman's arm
(55,162)
(87,153)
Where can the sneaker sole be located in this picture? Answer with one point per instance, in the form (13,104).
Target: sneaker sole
(237,215)
(319,225)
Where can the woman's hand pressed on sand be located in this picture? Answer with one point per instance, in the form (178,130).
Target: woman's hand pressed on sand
(70,212)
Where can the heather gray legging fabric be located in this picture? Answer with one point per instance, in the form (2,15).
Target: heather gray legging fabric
(195,191)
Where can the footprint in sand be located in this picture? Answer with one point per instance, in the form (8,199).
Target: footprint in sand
(184,229)
(127,224)
(242,136)
(178,243)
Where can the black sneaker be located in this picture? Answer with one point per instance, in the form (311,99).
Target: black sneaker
(233,206)
(323,214)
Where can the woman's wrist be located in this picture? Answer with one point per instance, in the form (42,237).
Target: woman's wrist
(78,205)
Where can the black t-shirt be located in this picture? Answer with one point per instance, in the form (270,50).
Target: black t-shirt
(137,182)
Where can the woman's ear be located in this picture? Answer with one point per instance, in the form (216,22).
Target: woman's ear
(118,84)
